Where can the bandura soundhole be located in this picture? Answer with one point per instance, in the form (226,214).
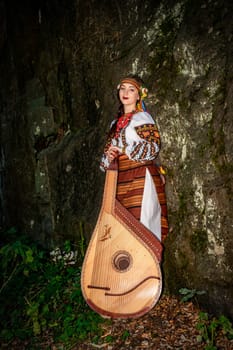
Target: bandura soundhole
(122,261)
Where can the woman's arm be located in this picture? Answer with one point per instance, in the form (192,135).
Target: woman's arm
(143,142)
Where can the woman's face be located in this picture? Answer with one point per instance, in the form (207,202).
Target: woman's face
(129,96)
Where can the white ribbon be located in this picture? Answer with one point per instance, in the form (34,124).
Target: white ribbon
(151,209)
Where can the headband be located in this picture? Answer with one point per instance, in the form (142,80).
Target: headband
(130,81)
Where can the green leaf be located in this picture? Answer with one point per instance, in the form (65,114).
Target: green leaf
(184,291)
(29,256)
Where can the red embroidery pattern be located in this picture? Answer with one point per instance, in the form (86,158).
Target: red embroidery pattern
(148,132)
(122,123)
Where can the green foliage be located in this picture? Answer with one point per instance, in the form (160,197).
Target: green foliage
(109,339)
(226,326)
(82,241)
(40,292)
(125,335)
(208,329)
(188,294)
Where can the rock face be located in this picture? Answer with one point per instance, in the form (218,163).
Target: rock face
(60,63)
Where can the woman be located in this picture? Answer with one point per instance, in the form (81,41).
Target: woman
(135,141)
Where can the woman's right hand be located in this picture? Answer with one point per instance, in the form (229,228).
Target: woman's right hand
(112,153)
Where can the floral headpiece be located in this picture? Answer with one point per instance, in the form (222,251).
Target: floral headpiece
(143,91)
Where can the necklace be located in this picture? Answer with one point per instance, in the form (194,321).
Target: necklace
(122,122)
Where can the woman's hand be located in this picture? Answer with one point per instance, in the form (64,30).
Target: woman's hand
(113,152)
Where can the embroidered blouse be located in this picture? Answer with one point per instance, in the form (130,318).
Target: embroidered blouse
(138,138)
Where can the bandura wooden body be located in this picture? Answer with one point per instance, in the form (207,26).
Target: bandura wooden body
(121,276)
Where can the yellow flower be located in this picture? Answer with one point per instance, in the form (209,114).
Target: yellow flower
(143,92)
(162,170)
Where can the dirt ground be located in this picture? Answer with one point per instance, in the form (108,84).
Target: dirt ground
(171,324)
